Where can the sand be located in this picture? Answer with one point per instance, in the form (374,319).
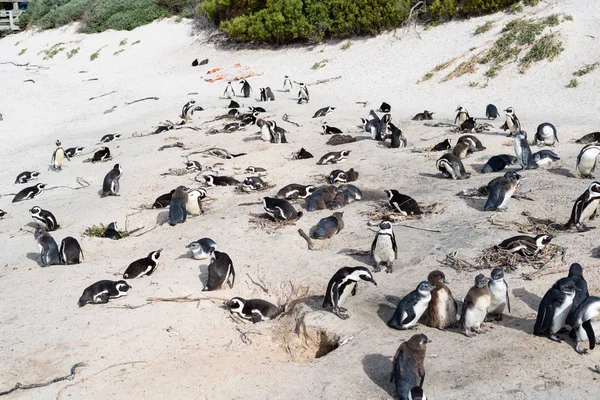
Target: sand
(195,350)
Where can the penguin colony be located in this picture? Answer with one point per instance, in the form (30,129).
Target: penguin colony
(566,304)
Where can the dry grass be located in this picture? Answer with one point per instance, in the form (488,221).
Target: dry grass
(266,222)
(381,211)
(534,226)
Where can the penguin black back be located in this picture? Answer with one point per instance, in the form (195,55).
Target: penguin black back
(220,270)
(177,211)
(70,250)
(409,365)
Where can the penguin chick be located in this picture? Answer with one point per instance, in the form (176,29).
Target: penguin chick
(177,211)
(327,227)
(220,270)
(409,366)
(411,307)
(384,249)
(102,291)
(475,306)
(442,308)
(554,309)
(500,297)
(49,253)
(256,310)
(343,284)
(501,191)
(576,274)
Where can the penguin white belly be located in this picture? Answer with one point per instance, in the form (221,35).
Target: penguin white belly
(121,294)
(475,316)
(384,250)
(346,293)
(449,170)
(547,135)
(589,210)
(560,314)
(41,223)
(518,149)
(587,162)
(584,337)
(510,124)
(58,158)
(265,133)
(200,254)
(192,207)
(462,117)
(498,301)
(420,308)
(507,195)
(544,162)
(442,306)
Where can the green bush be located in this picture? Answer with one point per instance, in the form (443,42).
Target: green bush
(445,9)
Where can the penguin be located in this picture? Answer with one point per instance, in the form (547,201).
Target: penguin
(163,200)
(246,88)
(475,306)
(586,322)
(193,166)
(320,197)
(424,116)
(398,139)
(202,249)
(269,94)
(384,249)
(442,308)
(498,163)
(337,140)
(143,267)
(523,151)
(188,109)
(586,160)
(512,123)
(491,112)
(327,227)
(554,309)
(411,307)
(110,186)
(337,176)
(382,129)
(546,134)
(343,284)
(287,84)
(344,194)
(101,155)
(263,94)
(102,291)
(500,297)
(3,213)
(526,246)
(58,156)
(194,203)
(258,110)
(408,365)
(501,191)
(321,112)
(461,150)
(44,218)
(280,209)
(177,207)
(195,63)
(385,107)
(468,125)
(461,115)
(451,167)
(233,104)
(256,170)
(545,157)
(253,183)
(220,270)
(303,96)
(402,203)
(585,207)
(372,124)
(27,176)
(216,180)
(49,253)
(111,137)
(303,155)
(334,157)
(295,191)
(229,92)
(73,151)
(255,310)
(70,250)
(111,232)
(331,130)
(351,175)
(576,274)
(474,143)
(29,193)
(442,146)
(590,138)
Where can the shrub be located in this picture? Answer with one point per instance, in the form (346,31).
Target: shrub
(484,28)
(573,83)
(446,9)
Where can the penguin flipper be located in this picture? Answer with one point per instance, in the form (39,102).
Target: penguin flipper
(495,198)
(394,245)
(589,330)
(373,245)
(232,277)
(410,315)
(507,297)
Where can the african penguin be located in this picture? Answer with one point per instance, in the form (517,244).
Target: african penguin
(220,270)
(329,226)
(303,95)
(27,176)
(411,307)
(110,186)
(330,130)
(586,322)
(442,146)
(29,193)
(337,176)
(590,138)
(343,284)
(102,291)
(2,214)
(202,249)
(451,167)
(442,308)
(554,309)
(229,92)
(491,112)
(512,123)
(500,297)
(246,88)
(321,112)
(523,151)
(475,306)
(334,157)
(398,140)
(526,246)
(384,249)
(576,274)
(70,250)
(280,209)
(320,197)
(256,170)
(461,115)
(233,104)
(193,166)
(303,155)
(256,310)
(546,134)
(73,151)
(423,116)
(253,183)
(49,253)
(101,155)
(58,156)
(111,232)
(501,191)
(295,191)
(385,108)
(44,218)
(194,203)
(498,163)
(585,207)
(587,159)
(344,194)
(111,137)
(287,84)
(216,180)
(164,200)
(143,267)
(177,207)
(337,140)
(408,367)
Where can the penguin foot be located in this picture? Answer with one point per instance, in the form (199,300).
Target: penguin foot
(554,339)
(389,269)
(376,269)
(340,314)
(469,334)
(580,350)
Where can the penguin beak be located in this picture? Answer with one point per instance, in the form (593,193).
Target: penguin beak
(373,282)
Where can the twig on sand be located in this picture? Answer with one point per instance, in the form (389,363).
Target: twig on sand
(82,184)
(24,65)
(183,299)
(260,284)
(168,146)
(256,203)
(537,274)
(29,80)
(145,98)
(102,95)
(129,306)
(143,233)
(305,236)
(69,377)
(354,252)
(410,21)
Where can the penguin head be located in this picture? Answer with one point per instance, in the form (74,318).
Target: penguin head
(40,185)
(364,274)
(209,179)
(35,210)
(522,135)
(509,111)
(594,189)
(436,277)
(385,226)
(460,109)
(122,286)
(117,167)
(576,270)
(112,225)
(390,193)
(286,76)
(512,176)
(497,274)
(251,170)
(543,240)
(566,285)
(3,213)
(154,255)
(39,232)
(310,189)
(58,143)
(425,287)
(345,153)
(242,81)
(235,305)
(480,281)
(117,135)
(417,341)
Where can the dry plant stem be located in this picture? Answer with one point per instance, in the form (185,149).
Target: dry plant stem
(145,98)
(305,236)
(69,377)
(102,95)
(183,299)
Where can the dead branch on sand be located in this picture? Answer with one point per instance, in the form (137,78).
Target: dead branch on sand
(536,226)
(144,99)
(265,222)
(183,299)
(261,284)
(24,65)
(381,211)
(168,146)
(305,236)
(69,377)
(102,95)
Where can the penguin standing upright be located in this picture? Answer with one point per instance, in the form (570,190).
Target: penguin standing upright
(143,267)
(512,123)
(576,274)
(110,186)
(177,207)
(220,270)
(409,366)
(501,191)
(411,307)
(287,84)
(523,151)
(58,156)
(343,284)
(246,88)
(500,298)
(102,291)
(44,218)
(256,310)
(49,253)
(70,250)
(229,92)
(554,309)
(586,322)
(442,308)
(585,207)
(461,115)
(303,96)
(384,249)
(491,112)
(587,159)
(475,306)
(546,134)
(398,139)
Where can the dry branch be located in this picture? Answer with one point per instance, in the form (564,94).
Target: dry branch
(102,95)
(69,377)
(305,236)
(145,98)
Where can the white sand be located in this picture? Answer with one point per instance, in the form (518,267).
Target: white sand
(191,351)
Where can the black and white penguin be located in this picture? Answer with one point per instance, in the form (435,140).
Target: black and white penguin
(143,267)
(102,291)
(194,203)
(442,146)
(372,124)
(202,249)
(384,249)
(29,193)
(303,95)
(475,306)
(468,125)
(220,270)
(546,134)
(408,368)
(49,253)
(526,246)
(334,157)
(111,232)
(590,138)
(461,115)
(500,298)
(329,226)
(398,139)
(111,137)
(44,218)
(423,116)
(177,211)
(280,209)
(586,322)
(263,94)
(523,151)
(491,112)
(101,155)
(385,108)
(331,130)
(544,158)
(473,142)
(193,166)
(442,308)
(3,214)
(58,156)
(554,309)
(233,104)
(402,203)
(344,194)
(585,207)
(343,284)
(451,167)
(217,180)
(188,109)
(498,163)
(287,84)
(512,123)
(303,154)
(70,251)
(73,151)
(587,159)
(229,92)
(576,274)
(110,186)
(164,200)
(255,310)
(501,191)
(260,171)
(253,183)
(246,88)
(295,191)
(321,112)
(337,176)
(27,176)
(381,133)
(411,307)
